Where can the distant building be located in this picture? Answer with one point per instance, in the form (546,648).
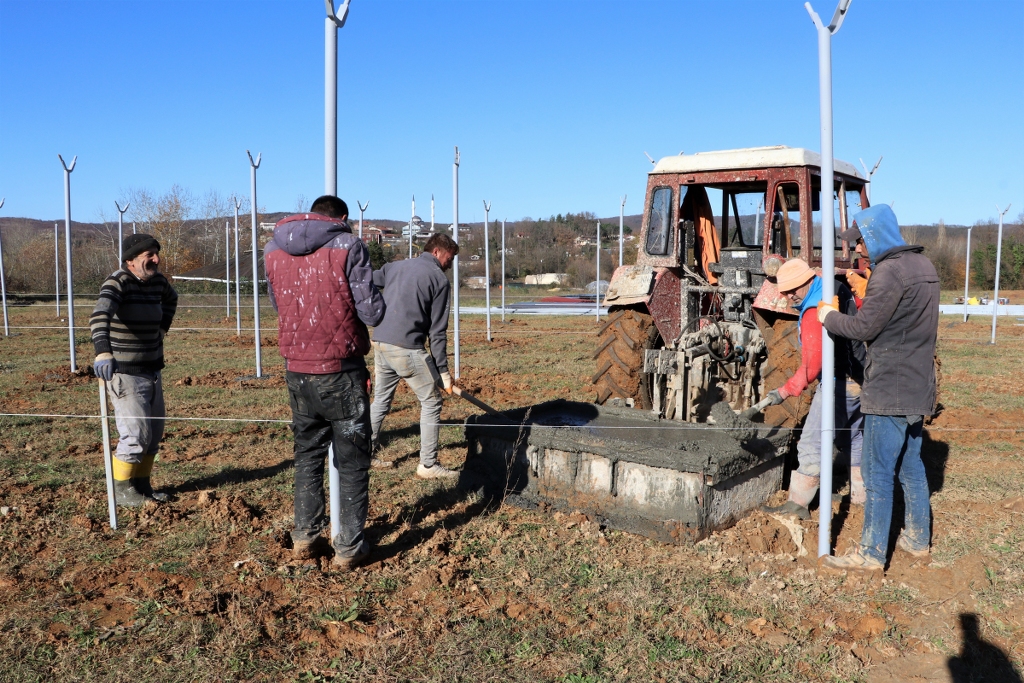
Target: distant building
(476,282)
(547,279)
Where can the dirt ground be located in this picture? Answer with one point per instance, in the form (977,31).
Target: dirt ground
(204,587)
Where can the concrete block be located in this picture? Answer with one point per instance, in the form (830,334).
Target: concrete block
(658,491)
(594,474)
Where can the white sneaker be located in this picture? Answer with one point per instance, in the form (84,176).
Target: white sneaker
(436,471)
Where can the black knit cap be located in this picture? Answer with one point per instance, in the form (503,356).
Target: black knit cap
(134,245)
(851,236)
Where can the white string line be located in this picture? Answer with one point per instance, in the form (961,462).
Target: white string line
(510,424)
(496,332)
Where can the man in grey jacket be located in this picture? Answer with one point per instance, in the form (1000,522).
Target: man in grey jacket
(416,292)
(899,322)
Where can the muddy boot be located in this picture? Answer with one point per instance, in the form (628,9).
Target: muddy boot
(858,496)
(125,492)
(308,550)
(801,492)
(141,480)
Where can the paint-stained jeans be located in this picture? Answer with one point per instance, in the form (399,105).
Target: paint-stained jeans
(849,429)
(416,367)
(893,447)
(331,409)
(138,411)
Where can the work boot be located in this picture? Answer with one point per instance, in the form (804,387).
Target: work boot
(378,464)
(435,471)
(801,492)
(903,543)
(789,508)
(307,550)
(141,480)
(858,496)
(852,561)
(350,563)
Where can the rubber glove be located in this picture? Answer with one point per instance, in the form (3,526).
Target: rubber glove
(446,382)
(105,366)
(858,283)
(777,395)
(824,309)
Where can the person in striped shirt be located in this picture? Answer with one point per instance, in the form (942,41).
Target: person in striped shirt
(133,313)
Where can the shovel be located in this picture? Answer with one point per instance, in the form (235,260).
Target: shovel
(475,401)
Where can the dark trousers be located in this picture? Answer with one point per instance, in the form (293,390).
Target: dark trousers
(331,409)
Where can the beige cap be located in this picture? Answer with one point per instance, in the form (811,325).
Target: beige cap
(792,274)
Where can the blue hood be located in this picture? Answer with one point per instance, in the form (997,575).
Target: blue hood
(880,231)
(304,233)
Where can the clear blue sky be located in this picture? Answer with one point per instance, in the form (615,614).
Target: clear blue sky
(552,104)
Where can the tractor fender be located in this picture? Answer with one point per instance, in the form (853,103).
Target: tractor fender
(770,299)
(632,285)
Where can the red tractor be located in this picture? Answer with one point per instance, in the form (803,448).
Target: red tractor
(698,319)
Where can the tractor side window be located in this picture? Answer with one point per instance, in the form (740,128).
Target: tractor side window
(840,211)
(659,229)
(744,217)
(786,219)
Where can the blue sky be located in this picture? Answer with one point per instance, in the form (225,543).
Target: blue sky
(552,104)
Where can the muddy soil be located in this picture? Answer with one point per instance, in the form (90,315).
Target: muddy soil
(205,587)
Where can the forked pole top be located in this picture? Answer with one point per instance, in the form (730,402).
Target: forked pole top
(68,169)
(338,17)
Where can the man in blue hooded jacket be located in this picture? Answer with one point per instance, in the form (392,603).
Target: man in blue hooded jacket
(899,322)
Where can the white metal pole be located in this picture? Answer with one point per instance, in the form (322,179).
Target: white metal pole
(227,268)
(597,281)
(108,466)
(120,232)
(967,271)
(67,257)
(56,265)
(331,25)
(3,279)
(999,256)
(487,266)
(828,268)
(622,211)
(455,236)
(431,214)
(253,165)
(503,270)
(133,228)
(238,282)
(411,216)
(361,210)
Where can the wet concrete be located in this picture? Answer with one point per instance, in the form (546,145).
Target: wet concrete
(669,480)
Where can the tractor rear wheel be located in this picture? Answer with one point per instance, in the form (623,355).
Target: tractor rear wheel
(620,357)
(782,341)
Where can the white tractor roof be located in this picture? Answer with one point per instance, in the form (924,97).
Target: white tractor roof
(751,157)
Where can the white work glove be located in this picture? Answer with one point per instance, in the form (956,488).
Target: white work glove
(446,382)
(824,309)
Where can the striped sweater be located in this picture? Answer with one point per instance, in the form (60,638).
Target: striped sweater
(130,318)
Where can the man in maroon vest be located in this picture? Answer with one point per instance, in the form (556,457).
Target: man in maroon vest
(321,284)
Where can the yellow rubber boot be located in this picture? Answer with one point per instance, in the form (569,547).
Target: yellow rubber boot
(141,480)
(125,492)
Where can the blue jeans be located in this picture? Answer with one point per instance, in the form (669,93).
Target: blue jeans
(891,447)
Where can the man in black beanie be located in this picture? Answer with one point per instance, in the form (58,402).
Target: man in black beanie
(134,311)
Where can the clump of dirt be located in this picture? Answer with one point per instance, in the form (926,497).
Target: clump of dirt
(247,342)
(229,379)
(63,375)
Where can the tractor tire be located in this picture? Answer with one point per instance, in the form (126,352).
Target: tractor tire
(620,357)
(782,341)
